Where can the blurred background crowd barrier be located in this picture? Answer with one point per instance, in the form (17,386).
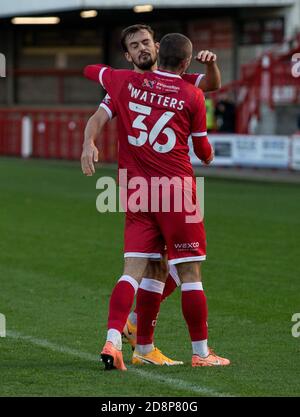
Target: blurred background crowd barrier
(45,101)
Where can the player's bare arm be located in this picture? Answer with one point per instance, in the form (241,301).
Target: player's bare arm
(212,79)
(92,131)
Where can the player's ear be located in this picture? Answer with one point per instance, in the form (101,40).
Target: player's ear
(184,65)
(128,57)
(187,62)
(157,45)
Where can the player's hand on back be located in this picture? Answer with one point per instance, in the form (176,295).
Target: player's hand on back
(88,157)
(206,57)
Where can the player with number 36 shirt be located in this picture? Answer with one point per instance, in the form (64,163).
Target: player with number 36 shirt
(157,112)
(140,49)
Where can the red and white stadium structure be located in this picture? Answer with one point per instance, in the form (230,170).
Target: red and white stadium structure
(45,101)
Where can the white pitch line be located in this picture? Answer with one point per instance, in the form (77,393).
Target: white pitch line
(162,379)
(52,346)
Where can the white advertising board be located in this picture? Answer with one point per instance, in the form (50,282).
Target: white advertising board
(222,145)
(249,151)
(261,151)
(295,154)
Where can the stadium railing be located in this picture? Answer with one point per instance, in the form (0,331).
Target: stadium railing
(51,133)
(267,80)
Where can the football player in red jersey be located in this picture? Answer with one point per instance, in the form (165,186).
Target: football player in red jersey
(175,116)
(141,50)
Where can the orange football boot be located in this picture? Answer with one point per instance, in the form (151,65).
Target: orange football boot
(129,333)
(155,357)
(112,357)
(211,360)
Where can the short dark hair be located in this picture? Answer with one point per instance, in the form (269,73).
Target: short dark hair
(131,30)
(174,48)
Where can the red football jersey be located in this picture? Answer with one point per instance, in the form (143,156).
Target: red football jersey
(157,111)
(108,105)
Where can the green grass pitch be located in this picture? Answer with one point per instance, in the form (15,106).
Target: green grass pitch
(60,258)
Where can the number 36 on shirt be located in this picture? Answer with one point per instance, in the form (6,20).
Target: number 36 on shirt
(159,127)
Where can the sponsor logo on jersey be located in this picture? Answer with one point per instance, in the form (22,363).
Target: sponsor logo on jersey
(186,246)
(148,83)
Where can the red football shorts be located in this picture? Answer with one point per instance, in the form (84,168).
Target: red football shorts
(147,233)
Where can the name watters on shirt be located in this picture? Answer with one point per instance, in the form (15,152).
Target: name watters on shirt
(154,98)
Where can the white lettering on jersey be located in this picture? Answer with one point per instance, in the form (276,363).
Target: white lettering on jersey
(159,98)
(173,103)
(181,103)
(144,96)
(154,98)
(166,101)
(134,92)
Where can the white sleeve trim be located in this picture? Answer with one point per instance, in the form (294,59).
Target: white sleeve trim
(101,75)
(199,134)
(199,78)
(107,109)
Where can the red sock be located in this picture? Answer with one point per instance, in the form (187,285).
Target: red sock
(194,309)
(147,305)
(170,286)
(121,301)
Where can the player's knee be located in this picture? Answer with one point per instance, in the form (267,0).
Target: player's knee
(135,267)
(156,270)
(189,272)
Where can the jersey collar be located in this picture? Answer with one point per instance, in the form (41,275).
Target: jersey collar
(166,73)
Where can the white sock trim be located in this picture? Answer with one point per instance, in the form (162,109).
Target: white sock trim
(144,349)
(192,286)
(174,274)
(200,348)
(152,285)
(133,317)
(131,281)
(114,336)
